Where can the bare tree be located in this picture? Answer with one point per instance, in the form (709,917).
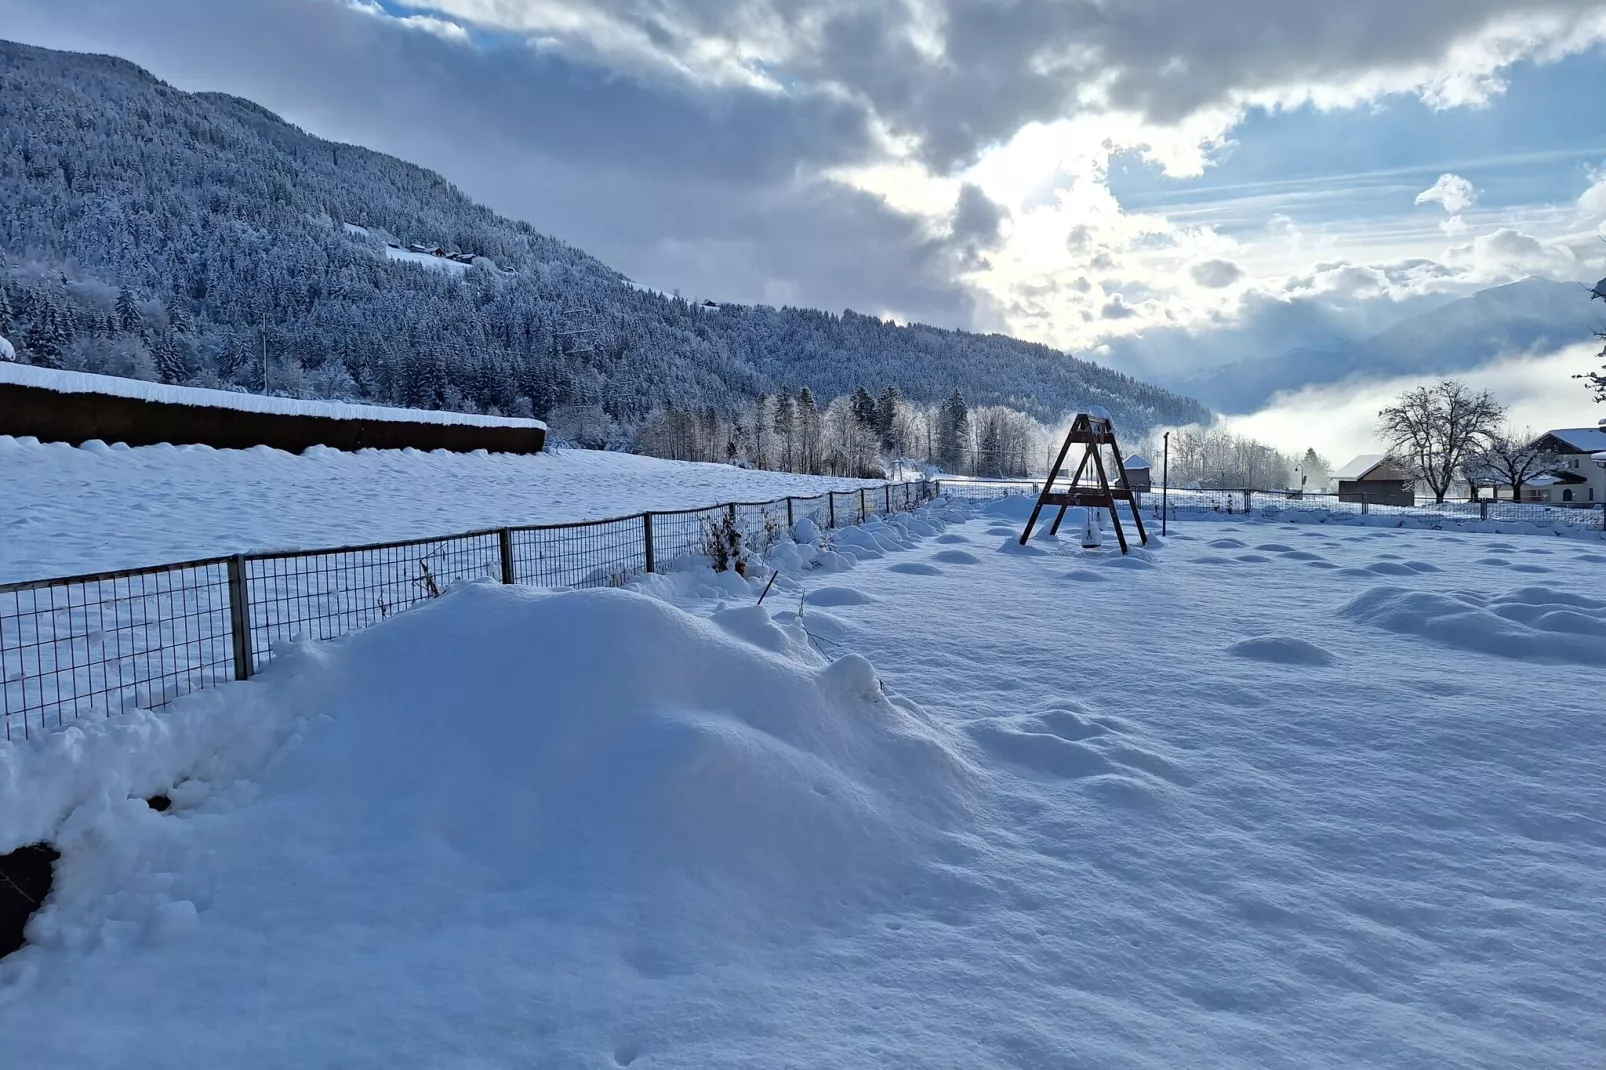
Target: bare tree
(1511,458)
(1596,381)
(1433,430)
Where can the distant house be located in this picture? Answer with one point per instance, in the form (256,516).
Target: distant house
(1137,470)
(1375,478)
(1576,479)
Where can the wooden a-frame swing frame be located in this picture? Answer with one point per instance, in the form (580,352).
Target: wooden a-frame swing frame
(1092,432)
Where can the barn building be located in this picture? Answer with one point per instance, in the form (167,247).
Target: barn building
(1376,478)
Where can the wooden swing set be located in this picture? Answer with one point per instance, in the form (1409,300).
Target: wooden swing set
(1092,433)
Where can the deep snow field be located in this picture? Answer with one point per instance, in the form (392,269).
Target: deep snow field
(65,511)
(1267,795)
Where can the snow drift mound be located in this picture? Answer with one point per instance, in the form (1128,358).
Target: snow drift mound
(578,748)
(1531,623)
(609,738)
(490,817)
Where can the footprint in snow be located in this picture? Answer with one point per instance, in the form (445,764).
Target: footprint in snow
(950,539)
(838,596)
(1067,724)
(1040,752)
(915,568)
(956,557)
(1282,650)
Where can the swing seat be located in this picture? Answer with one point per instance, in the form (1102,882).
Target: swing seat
(1090,497)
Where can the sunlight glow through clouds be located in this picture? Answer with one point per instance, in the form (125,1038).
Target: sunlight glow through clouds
(1340,420)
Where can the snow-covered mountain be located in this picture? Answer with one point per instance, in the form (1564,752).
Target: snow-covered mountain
(151,232)
(1531,315)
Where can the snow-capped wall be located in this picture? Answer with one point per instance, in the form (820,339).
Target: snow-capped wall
(61,406)
(84,383)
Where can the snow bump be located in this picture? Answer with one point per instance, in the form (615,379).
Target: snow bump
(1282,650)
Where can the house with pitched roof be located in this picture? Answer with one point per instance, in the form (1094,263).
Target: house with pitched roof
(1575,479)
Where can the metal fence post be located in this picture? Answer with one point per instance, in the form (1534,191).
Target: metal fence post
(240,618)
(886,492)
(1483,508)
(789,520)
(505,538)
(646,538)
(1365,505)
(864,504)
(830,500)
(1248,501)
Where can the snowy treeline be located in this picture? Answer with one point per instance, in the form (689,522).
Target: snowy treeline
(852,435)
(198,239)
(1216,459)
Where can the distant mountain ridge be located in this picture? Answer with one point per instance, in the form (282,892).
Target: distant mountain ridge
(1533,314)
(168,235)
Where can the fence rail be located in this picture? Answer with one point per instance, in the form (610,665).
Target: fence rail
(96,645)
(1180,502)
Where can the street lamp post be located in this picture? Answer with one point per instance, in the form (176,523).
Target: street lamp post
(1165,485)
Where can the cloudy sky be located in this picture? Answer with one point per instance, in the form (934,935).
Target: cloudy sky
(1163,183)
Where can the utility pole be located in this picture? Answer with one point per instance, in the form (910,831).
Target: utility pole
(1165,485)
(264,335)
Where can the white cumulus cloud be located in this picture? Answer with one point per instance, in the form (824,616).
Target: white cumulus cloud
(1455,193)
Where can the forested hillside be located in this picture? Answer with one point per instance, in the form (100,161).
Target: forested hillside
(151,232)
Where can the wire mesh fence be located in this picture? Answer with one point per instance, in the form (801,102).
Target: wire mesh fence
(1181,502)
(1184,501)
(101,644)
(111,641)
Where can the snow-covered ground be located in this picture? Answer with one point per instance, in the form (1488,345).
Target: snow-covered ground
(66,511)
(65,382)
(1266,795)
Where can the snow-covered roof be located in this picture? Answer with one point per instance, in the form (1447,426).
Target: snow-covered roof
(1551,479)
(1361,466)
(85,383)
(1135,462)
(1581,439)
(425,258)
